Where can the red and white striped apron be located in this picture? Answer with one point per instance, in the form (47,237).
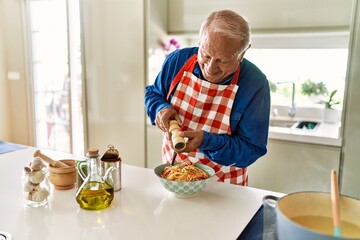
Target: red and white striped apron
(207,106)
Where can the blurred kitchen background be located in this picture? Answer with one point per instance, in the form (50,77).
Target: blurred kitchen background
(73,75)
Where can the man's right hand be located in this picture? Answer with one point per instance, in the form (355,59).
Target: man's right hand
(163,118)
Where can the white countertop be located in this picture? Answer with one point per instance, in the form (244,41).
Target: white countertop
(143,209)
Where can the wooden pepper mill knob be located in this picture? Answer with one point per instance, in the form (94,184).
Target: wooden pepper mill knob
(177,141)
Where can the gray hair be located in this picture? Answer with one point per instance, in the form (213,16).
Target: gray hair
(229,23)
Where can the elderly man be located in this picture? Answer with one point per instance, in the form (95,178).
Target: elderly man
(220,100)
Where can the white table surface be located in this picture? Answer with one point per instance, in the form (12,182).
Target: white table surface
(143,209)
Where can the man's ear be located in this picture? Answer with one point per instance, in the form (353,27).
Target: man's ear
(243,53)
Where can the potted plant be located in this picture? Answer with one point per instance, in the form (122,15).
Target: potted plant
(330,102)
(311,88)
(330,114)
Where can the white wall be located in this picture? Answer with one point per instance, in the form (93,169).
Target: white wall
(15,125)
(114,42)
(4,105)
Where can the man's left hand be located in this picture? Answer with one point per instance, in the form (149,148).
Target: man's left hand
(195,139)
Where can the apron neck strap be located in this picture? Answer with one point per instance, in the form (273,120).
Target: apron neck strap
(189,66)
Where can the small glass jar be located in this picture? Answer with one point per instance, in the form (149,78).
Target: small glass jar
(35,187)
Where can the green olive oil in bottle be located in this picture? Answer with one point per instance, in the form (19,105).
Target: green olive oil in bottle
(94,193)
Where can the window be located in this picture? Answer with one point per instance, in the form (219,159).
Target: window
(55,64)
(298,57)
(299,65)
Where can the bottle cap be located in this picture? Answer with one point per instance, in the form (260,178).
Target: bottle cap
(111,155)
(93,152)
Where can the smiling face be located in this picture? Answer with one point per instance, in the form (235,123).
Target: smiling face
(218,56)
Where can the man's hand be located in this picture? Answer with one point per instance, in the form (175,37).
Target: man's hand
(163,118)
(195,139)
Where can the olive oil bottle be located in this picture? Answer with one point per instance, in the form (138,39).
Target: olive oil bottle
(95,193)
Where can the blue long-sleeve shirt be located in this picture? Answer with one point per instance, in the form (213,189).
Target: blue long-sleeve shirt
(249,119)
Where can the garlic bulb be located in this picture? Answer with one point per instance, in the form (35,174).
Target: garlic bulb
(40,195)
(37,164)
(29,187)
(36,177)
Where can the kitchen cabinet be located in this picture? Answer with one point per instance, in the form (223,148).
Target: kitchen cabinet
(351,151)
(294,166)
(185,16)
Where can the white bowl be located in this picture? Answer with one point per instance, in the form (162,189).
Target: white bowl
(184,189)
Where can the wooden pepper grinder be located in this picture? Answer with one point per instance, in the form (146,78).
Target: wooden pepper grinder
(177,141)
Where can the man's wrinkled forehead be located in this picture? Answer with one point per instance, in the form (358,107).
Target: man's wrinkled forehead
(229,51)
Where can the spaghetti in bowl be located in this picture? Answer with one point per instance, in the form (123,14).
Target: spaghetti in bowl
(183,179)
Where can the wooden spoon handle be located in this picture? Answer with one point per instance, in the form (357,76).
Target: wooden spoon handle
(335,200)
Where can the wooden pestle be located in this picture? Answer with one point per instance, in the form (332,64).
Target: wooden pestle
(177,141)
(53,163)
